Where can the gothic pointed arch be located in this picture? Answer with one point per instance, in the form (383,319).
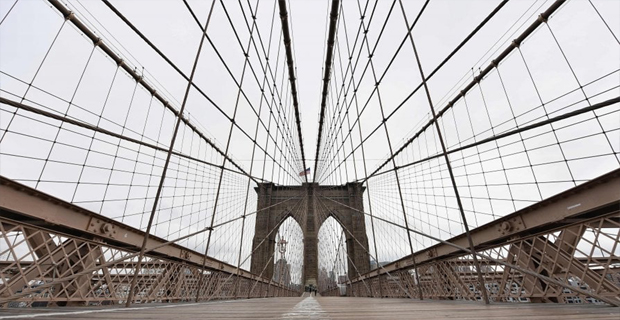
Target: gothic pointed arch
(310,205)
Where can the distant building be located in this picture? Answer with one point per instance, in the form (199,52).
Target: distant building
(373,264)
(326,279)
(282,272)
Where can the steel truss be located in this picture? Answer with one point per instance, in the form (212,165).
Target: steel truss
(571,237)
(60,254)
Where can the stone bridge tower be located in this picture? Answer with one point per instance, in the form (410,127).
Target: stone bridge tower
(273,215)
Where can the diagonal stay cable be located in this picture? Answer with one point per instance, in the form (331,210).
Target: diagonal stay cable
(134,281)
(323,214)
(428,77)
(364,248)
(568,286)
(494,63)
(182,74)
(111,263)
(264,240)
(138,78)
(564,116)
(253,29)
(81,124)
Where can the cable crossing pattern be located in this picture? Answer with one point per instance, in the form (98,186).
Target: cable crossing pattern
(463,152)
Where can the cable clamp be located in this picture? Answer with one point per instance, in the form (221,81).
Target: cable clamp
(542,18)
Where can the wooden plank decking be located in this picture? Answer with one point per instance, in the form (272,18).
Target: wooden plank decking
(324,308)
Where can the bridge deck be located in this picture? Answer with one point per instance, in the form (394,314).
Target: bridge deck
(325,308)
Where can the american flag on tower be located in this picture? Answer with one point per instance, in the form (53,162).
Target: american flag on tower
(305,172)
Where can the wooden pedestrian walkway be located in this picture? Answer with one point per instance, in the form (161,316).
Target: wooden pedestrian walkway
(324,308)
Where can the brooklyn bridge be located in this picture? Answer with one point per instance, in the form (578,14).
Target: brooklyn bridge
(309,159)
